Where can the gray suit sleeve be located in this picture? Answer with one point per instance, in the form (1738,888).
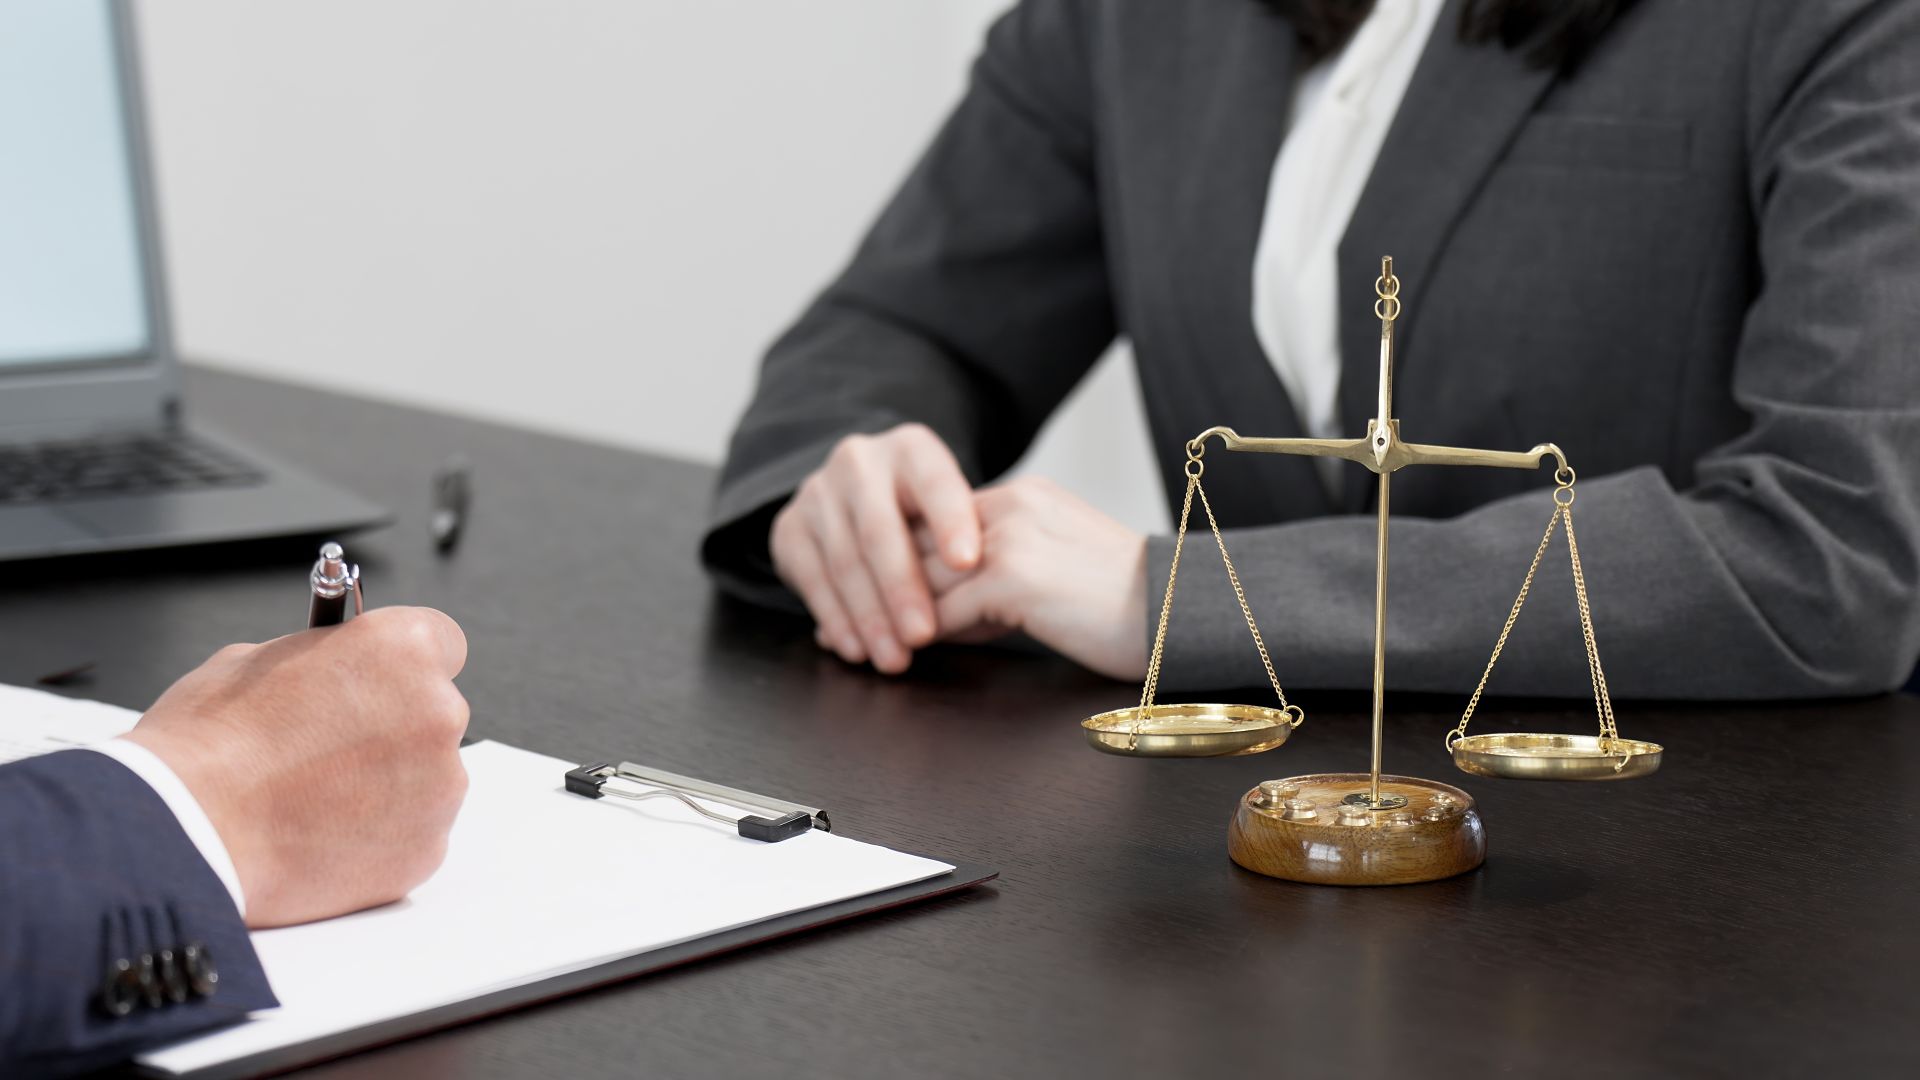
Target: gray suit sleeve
(976,302)
(1791,568)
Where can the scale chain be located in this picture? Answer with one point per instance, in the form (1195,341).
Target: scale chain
(1246,611)
(1166,607)
(1194,467)
(1602,698)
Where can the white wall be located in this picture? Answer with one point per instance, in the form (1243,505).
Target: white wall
(586,217)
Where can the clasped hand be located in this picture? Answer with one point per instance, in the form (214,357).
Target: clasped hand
(892,550)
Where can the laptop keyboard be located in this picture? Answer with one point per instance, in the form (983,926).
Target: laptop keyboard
(116,466)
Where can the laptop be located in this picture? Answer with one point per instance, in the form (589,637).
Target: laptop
(96,453)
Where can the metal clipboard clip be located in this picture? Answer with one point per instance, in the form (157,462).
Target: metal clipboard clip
(767,820)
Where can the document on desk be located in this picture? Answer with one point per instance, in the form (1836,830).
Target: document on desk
(537,884)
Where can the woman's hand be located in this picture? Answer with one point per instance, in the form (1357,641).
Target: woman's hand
(891,550)
(845,543)
(1055,568)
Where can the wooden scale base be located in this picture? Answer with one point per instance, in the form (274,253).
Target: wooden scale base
(1319,829)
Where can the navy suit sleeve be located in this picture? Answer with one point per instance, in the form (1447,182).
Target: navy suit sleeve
(115,935)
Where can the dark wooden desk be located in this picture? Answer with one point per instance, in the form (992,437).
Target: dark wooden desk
(1747,911)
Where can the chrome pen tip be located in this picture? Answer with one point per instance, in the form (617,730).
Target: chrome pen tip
(330,572)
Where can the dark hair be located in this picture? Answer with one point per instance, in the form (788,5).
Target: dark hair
(1552,33)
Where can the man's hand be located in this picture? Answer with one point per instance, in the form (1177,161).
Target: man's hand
(845,542)
(1066,574)
(327,760)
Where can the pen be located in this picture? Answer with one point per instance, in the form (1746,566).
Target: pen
(332,580)
(452,492)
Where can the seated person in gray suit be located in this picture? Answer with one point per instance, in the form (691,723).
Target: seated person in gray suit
(1680,238)
(304,778)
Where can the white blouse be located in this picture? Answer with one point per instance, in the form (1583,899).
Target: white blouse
(1340,113)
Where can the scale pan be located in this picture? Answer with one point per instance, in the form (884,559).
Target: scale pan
(1517,756)
(1188,730)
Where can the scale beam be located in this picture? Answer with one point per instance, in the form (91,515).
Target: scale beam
(1398,454)
(1350,449)
(1422,454)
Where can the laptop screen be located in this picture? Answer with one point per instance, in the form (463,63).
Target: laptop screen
(72,288)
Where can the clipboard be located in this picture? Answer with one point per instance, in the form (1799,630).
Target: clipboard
(558,778)
(964,876)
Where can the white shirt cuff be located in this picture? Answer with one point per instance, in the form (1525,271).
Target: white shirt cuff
(147,765)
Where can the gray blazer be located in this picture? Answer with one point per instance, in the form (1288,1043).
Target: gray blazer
(1694,263)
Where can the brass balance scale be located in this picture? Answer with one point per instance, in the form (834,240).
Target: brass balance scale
(1368,828)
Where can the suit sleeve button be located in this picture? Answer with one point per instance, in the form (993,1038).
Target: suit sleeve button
(147,971)
(121,992)
(173,977)
(203,978)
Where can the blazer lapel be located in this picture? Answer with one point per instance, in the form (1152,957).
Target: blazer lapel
(1462,108)
(1236,119)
